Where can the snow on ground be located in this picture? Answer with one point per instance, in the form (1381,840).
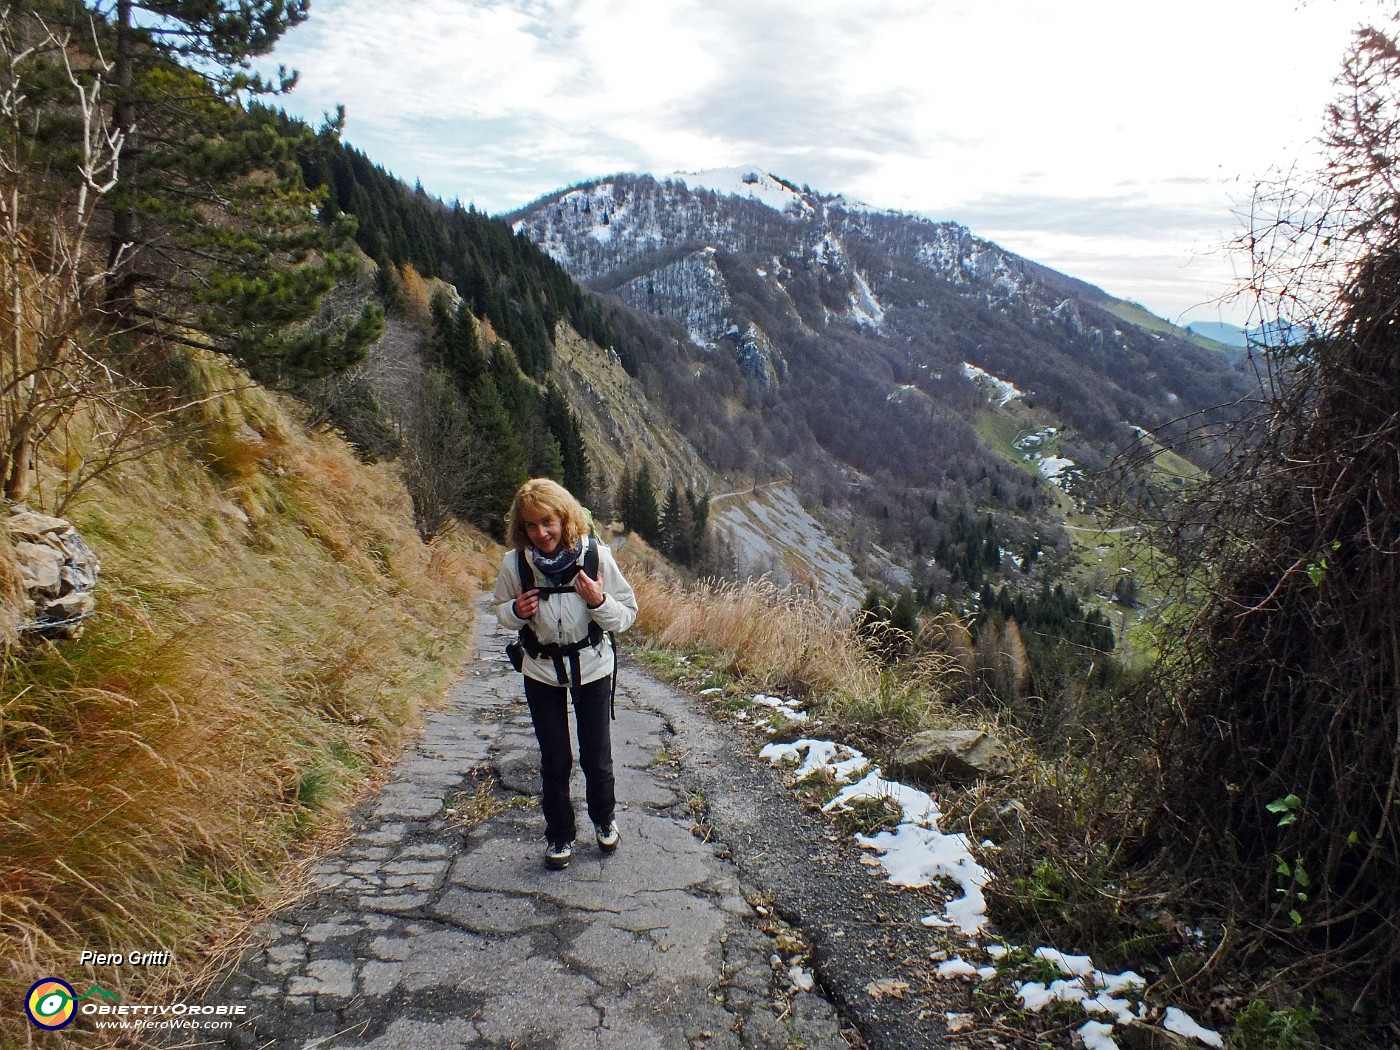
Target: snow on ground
(840,761)
(1002,391)
(1179,1022)
(789,708)
(1053,466)
(917,853)
(751,182)
(865,308)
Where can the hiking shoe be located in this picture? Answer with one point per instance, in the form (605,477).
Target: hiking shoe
(608,836)
(556,858)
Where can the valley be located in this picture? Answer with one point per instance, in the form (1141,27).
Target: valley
(900,373)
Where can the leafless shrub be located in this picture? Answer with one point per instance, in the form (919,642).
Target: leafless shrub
(1283,728)
(56,376)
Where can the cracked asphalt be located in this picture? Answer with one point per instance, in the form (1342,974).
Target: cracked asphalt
(437,925)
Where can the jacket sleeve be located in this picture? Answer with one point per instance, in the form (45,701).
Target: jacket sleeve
(507,587)
(619,606)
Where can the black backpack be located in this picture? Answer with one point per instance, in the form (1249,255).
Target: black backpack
(527,642)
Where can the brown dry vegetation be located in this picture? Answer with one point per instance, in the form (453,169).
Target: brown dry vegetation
(269,628)
(778,641)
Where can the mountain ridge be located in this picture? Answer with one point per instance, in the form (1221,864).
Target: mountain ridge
(836,339)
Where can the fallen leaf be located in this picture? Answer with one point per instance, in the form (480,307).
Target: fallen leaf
(890,987)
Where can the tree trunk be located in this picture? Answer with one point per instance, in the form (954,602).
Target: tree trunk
(121,292)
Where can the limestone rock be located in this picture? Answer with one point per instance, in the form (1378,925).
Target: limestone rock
(57,572)
(959,755)
(40,568)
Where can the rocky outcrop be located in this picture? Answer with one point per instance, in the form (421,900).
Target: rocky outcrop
(56,572)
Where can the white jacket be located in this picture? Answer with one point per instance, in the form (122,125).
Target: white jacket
(563,619)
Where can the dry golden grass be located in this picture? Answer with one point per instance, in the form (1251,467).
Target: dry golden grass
(778,642)
(269,628)
(773,639)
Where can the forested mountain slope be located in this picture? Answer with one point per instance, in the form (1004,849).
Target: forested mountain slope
(545,372)
(854,348)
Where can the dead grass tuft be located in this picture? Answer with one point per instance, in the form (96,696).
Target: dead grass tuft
(244,677)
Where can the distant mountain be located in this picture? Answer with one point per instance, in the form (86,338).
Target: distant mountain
(1220,331)
(815,337)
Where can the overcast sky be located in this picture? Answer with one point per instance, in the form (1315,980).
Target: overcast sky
(1115,140)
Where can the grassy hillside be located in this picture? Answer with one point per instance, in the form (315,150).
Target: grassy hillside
(620,425)
(269,628)
(1133,313)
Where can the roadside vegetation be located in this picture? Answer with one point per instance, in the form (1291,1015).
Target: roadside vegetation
(270,627)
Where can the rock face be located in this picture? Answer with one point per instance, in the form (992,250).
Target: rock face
(961,756)
(57,573)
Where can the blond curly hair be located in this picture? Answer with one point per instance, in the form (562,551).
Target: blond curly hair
(542,494)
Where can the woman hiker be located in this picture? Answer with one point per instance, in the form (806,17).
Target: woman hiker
(562,590)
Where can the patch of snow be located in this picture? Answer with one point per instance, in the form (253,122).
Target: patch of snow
(1095,1035)
(956,968)
(840,761)
(1003,391)
(1072,965)
(916,852)
(899,392)
(751,182)
(1180,1022)
(1053,466)
(865,308)
(787,708)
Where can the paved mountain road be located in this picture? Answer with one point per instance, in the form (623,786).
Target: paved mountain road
(420,934)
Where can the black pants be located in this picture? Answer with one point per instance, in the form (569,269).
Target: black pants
(549,710)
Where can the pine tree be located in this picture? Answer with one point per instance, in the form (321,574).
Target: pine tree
(213,239)
(625,501)
(507,469)
(563,424)
(905,614)
(670,513)
(646,516)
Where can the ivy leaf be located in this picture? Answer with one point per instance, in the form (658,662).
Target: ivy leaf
(1287,808)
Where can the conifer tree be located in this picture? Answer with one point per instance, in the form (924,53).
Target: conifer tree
(506,469)
(646,516)
(669,532)
(213,239)
(625,502)
(564,425)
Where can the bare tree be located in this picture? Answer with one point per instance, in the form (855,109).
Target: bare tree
(1286,716)
(52,286)
(445,462)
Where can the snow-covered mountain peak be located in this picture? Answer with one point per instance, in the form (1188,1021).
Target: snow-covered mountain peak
(753,182)
(747,181)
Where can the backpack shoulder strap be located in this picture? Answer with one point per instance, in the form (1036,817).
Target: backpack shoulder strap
(591,556)
(527,575)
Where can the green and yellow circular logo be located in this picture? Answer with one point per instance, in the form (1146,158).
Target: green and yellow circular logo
(50,1003)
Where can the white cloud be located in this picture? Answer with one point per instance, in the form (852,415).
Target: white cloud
(1132,125)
